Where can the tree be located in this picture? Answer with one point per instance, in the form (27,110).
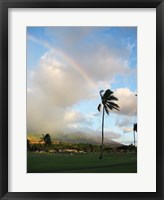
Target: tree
(134,130)
(107,101)
(46,138)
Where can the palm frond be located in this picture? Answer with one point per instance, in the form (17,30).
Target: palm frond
(107,94)
(106,109)
(101,91)
(114,105)
(116,108)
(109,106)
(112,98)
(99,107)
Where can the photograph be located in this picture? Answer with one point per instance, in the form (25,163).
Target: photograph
(81,99)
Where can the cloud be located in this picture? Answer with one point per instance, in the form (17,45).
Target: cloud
(127,101)
(73,116)
(69,36)
(56,84)
(127,130)
(125,123)
(53,90)
(102,64)
(45,117)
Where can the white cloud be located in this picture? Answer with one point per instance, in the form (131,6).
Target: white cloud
(123,121)
(57,85)
(127,129)
(53,89)
(102,64)
(127,101)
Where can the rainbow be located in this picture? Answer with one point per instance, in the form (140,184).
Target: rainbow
(67,59)
(76,66)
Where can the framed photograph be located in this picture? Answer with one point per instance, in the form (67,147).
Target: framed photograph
(81,99)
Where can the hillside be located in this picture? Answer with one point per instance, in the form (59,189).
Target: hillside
(76,138)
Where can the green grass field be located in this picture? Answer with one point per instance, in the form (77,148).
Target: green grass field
(81,163)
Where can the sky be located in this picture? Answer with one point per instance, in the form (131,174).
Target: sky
(66,69)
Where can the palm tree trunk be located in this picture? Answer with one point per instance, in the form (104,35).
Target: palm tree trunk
(134,138)
(102,142)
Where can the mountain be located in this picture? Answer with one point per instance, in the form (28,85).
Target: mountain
(76,138)
(82,139)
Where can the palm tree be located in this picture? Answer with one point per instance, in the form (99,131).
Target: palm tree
(46,139)
(107,101)
(134,130)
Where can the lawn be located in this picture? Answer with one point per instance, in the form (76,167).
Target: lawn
(81,163)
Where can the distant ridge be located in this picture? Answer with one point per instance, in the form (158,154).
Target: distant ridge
(77,138)
(84,138)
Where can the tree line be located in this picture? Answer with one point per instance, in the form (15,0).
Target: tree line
(78,147)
